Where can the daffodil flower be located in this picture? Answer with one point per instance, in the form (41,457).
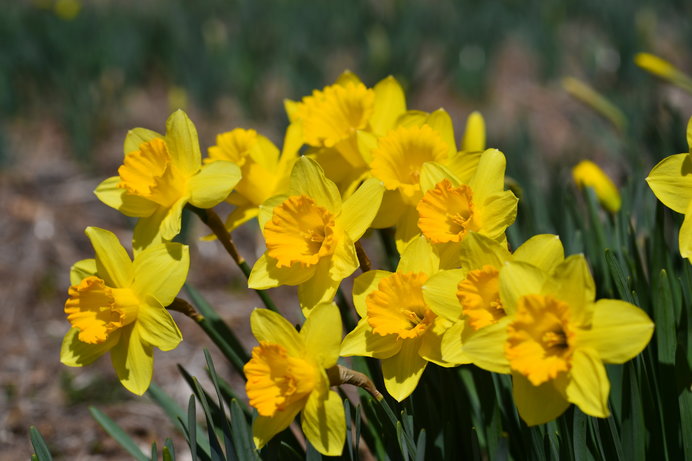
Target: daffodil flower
(558,338)
(588,174)
(310,234)
(333,120)
(397,326)
(263,173)
(287,375)
(470,296)
(116,304)
(671,182)
(159,175)
(449,209)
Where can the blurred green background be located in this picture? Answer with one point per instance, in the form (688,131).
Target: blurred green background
(76,75)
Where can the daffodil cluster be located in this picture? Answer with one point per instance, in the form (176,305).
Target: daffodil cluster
(354,159)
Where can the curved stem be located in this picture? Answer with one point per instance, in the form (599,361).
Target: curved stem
(213,221)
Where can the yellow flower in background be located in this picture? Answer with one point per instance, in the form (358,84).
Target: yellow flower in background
(334,122)
(595,101)
(588,174)
(671,182)
(663,69)
(116,304)
(474,134)
(470,296)
(159,175)
(397,326)
(264,173)
(287,375)
(556,338)
(310,234)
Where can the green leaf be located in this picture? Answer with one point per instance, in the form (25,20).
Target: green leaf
(154,452)
(192,427)
(664,316)
(118,434)
(168,452)
(40,448)
(242,433)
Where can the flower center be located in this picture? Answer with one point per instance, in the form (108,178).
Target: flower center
(97,310)
(538,344)
(233,146)
(335,113)
(397,306)
(401,153)
(300,231)
(276,380)
(446,213)
(479,296)
(149,173)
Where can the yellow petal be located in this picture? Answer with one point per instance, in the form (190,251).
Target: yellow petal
(273,328)
(412,118)
(440,293)
(266,209)
(588,174)
(183,143)
(363,285)
(497,213)
(518,279)
(619,331)
(689,134)
(162,226)
(212,183)
(441,122)
(240,215)
(324,423)
(474,135)
(572,282)
(347,77)
(537,404)
(137,137)
(403,371)
(81,270)
(671,181)
(419,256)
(133,360)
(358,211)
(363,342)
(75,353)
(161,270)
(307,178)
(433,173)
(464,164)
(588,387)
(544,251)
(407,229)
(489,178)
(478,250)
(390,211)
(113,263)
(322,333)
(266,427)
(265,274)
(156,326)
(320,288)
(431,343)
(451,346)
(118,198)
(685,237)
(344,260)
(486,347)
(390,103)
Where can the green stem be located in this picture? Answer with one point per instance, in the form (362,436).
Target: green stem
(213,221)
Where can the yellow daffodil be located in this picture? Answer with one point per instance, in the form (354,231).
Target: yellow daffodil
(116,304)
(557,338)
(263,173)
(671,182)
(449,209)
(470,296)
(588,174)
(287,375)
(160,174)
(397,325)
(310,234)
(333,120)
(663,69)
